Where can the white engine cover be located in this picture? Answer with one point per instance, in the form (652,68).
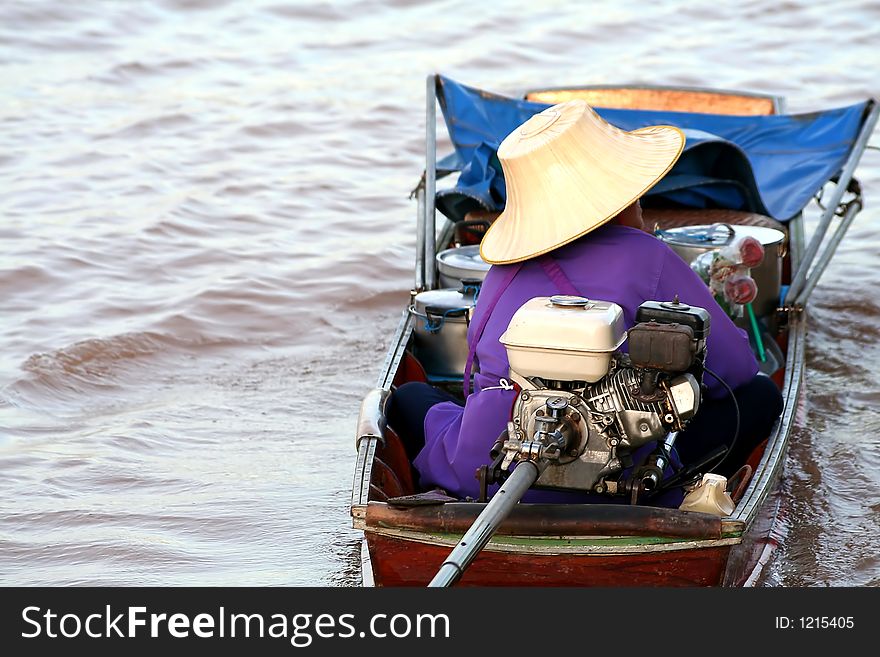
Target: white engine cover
(564,338)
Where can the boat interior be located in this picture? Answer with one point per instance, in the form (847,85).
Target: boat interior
(393,478)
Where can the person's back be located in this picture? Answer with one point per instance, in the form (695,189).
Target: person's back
(623,265)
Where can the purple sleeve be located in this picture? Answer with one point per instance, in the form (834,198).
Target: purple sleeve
(728,352)
(458,439)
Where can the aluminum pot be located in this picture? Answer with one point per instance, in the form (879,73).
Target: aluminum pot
(692,241)
(441,323)
(461,263)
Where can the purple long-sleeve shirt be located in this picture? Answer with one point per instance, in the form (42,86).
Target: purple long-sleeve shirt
(613,263)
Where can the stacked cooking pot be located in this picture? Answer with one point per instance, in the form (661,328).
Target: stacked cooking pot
(692,241)
(443,315)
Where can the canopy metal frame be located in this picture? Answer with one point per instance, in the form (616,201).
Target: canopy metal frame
(813,264)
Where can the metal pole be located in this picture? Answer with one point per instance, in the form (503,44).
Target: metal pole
(499,507)
(829,251)
(420,238)
(796,242)
(794,292)
(430,250)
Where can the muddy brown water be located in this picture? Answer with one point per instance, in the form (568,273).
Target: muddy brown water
(206,241)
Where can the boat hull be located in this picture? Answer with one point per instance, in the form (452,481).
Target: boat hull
(400,562)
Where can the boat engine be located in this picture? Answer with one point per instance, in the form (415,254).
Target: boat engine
(584,406)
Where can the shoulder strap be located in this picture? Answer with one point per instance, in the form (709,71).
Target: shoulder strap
(486,311)
(554,273)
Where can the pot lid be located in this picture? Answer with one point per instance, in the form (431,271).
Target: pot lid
(718,235)
(446,298)
(463,257)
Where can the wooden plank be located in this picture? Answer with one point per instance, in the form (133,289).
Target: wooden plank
(676,100)
(552,520)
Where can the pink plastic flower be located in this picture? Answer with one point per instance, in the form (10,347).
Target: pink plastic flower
(751,251)
(740,289)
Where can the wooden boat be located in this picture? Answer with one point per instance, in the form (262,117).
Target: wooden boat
(598,544)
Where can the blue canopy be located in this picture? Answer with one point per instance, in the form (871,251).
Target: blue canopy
(772,165)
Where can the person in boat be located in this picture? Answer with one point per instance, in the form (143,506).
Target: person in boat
(573,225)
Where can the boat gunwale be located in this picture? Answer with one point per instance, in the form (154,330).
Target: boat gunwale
(550,545)
(772,461)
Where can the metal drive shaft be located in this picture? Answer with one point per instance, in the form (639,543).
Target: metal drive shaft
(499,507)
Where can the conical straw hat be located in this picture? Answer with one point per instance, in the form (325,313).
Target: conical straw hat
(567,172)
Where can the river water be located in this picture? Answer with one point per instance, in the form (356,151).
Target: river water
(207,239)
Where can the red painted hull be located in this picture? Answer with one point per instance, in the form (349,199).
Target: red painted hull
(398,562)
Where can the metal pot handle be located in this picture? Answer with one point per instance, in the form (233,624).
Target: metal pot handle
(435,317)
(694,235)
(731,231)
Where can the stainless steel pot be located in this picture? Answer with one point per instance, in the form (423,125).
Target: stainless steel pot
(692,241)
(461,263)
(441,323)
